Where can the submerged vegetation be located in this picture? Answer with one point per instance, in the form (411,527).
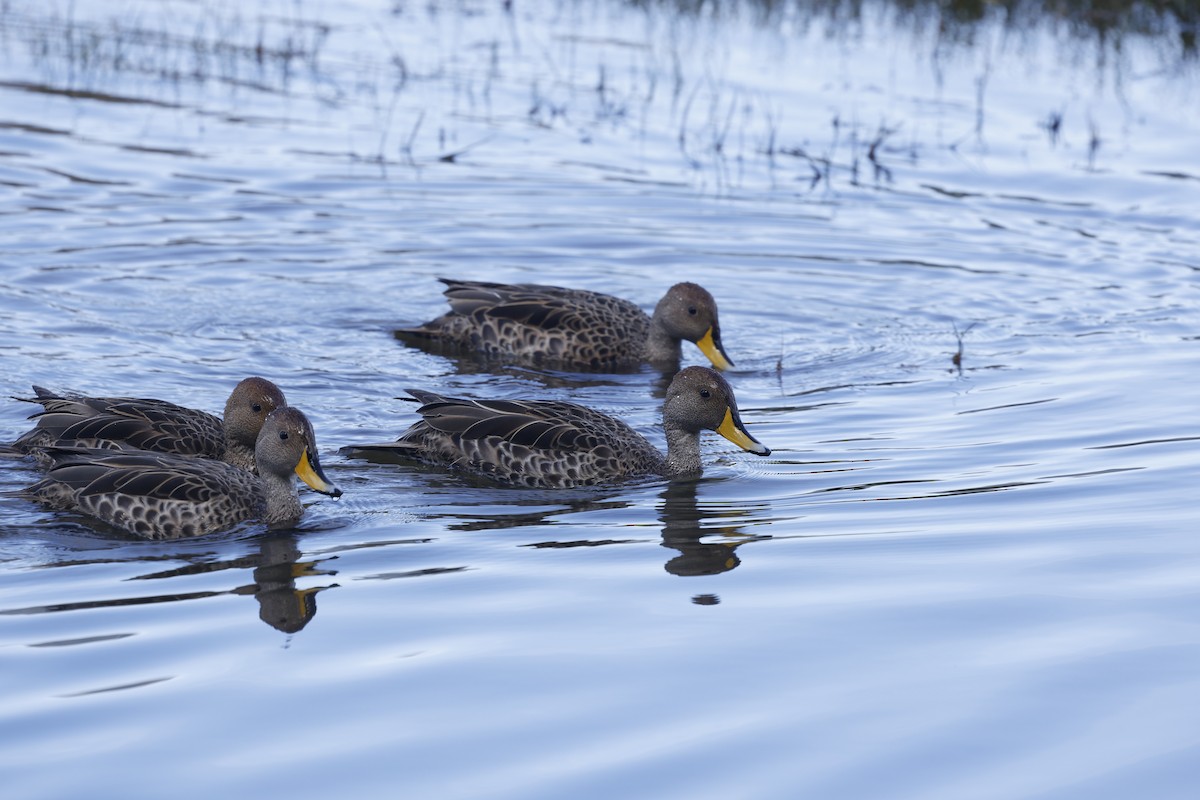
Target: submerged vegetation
(247,45)
(1174,22)
(442,100)
(231,46)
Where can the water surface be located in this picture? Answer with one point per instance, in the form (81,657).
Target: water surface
(968,569)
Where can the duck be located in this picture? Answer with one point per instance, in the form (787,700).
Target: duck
(574,327)
(556,444)
(166,496)
(129,423)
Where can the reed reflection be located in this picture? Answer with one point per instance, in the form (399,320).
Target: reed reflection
(1108,24)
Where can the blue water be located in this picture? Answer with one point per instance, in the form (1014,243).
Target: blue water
(969,568)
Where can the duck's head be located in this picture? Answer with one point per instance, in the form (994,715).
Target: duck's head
(700,399)
(247,408)
(689,312)
(287,444)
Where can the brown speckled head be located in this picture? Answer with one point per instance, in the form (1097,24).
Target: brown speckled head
(287,444)
(689,312)
(699,398)
(248,406)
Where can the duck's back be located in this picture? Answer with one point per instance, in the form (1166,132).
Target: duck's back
(121,423)
(540,323)
(155,496)
(528,443)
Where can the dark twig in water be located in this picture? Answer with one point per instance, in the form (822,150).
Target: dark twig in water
(542,111)
(981,83)
(407,148)
(677,80)
(881,136)
(1094,143)
(958,354)
(450,158)
(772,133)
(813,164)
(836,124)
(779,368)
(687,108)
(1052,125)
(722,132)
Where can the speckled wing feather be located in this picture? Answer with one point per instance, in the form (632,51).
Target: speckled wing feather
(150,495)
(466,297)
(537,425)
(122,423)
(530,443)
(543,323)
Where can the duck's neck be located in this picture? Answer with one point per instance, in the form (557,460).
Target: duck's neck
(683,452)
(239,455)
(661,347)
(283,503)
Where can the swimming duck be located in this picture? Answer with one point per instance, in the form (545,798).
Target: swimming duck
(558,444)
(574,327)
(128,423)
(162,496)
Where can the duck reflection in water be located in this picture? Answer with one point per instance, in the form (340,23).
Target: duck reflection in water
(281,604)
(276,567)
(683,519)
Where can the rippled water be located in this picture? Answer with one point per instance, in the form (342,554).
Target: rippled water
(969,568)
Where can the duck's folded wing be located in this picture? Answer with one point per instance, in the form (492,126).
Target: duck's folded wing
(144,475)
(545,307)
(538,425)
(135,422)
(161,427)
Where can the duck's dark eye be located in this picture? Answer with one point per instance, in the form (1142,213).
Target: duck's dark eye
(705,393)
(283,435)
(257,407)
(692,310)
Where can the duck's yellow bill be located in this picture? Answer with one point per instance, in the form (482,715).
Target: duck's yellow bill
(309,471)
(710,345)
(733,430)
